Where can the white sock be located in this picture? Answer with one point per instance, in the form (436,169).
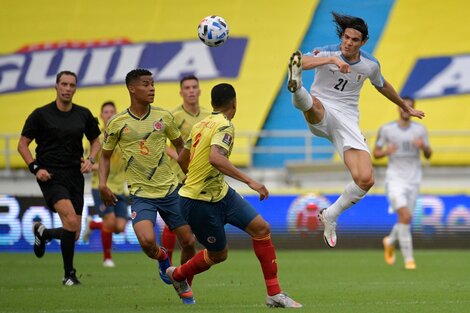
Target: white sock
(393,236)
(302,99)
(351,195)
(405,241)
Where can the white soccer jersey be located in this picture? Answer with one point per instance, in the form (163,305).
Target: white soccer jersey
(341,91)
(405,164)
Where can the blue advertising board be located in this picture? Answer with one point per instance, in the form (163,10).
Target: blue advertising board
(290,216)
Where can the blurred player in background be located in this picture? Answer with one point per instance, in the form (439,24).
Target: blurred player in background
(141,132)
(186,115)
(331,108)
(115,216)
(402,141)
(208,203)
(58,130)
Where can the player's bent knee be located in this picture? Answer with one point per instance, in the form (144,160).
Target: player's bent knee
(218,257)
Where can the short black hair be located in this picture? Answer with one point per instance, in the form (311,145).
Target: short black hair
(110,103)
(222,95)
(136,74)
(188,77)
(347,21)
(62,73)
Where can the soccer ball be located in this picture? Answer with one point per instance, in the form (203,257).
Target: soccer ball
(213,30)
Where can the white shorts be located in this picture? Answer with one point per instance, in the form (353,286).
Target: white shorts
(343,132)
(401,195)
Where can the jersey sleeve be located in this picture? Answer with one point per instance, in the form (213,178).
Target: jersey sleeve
(111,135)
(224,136)
(92,130)
(171,129)
(425,136)
(381,140)
(376,77)
(31,125)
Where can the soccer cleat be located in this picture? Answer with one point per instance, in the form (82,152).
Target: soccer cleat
(182,288)
(163,266)
(39,242)
(281,300)
(88,230)
(329,232)
(71,279)
(294,81)
(410,265)
(108,263)
(389,252)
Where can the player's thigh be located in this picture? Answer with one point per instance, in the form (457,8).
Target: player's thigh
(144,230)
(238,212)
(397,195)
(169,209)
(207,222)
(143,209)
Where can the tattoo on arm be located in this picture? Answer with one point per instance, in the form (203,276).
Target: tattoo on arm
(222,150)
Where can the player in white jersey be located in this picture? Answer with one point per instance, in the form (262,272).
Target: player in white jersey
(331,107)
(402,141)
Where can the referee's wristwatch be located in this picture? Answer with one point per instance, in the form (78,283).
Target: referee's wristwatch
(92,160)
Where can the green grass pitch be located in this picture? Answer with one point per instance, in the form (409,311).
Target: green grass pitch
(322,280)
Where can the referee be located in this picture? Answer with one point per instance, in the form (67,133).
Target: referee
(58,128)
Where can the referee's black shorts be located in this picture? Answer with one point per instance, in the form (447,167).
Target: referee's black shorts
(66,183)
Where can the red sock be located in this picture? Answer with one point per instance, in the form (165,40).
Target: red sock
(106,241)
(168,241)
(96,225)
(198,264)
(266,254)
(160,255)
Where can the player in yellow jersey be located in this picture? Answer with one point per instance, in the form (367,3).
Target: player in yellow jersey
(208,203)
(141,132)
(186,115)
(115,216)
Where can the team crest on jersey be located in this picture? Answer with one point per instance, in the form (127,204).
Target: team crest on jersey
(359,76)
(158,125)
(227,139)
(105,136)
(134,214)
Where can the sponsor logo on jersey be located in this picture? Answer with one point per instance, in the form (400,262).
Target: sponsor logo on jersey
(100,63)
(439,77)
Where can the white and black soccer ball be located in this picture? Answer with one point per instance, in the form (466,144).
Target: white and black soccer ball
(213,30)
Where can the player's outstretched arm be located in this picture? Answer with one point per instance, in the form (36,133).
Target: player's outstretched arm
(107,196)
(389,92)
(218,159)
(310,62)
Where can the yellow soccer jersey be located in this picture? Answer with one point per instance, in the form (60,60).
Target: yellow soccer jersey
(142,141)
(205,182)
(117,175)
(185,121)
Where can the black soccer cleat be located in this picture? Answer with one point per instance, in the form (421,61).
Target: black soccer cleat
(39,242)
(71,279)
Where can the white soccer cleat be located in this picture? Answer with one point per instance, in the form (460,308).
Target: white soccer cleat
(295,72)
(88,230)
(281,300)
(109,263)
(329,232)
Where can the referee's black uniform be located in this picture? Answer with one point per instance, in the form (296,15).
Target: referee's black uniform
(59,149)
(59,138)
